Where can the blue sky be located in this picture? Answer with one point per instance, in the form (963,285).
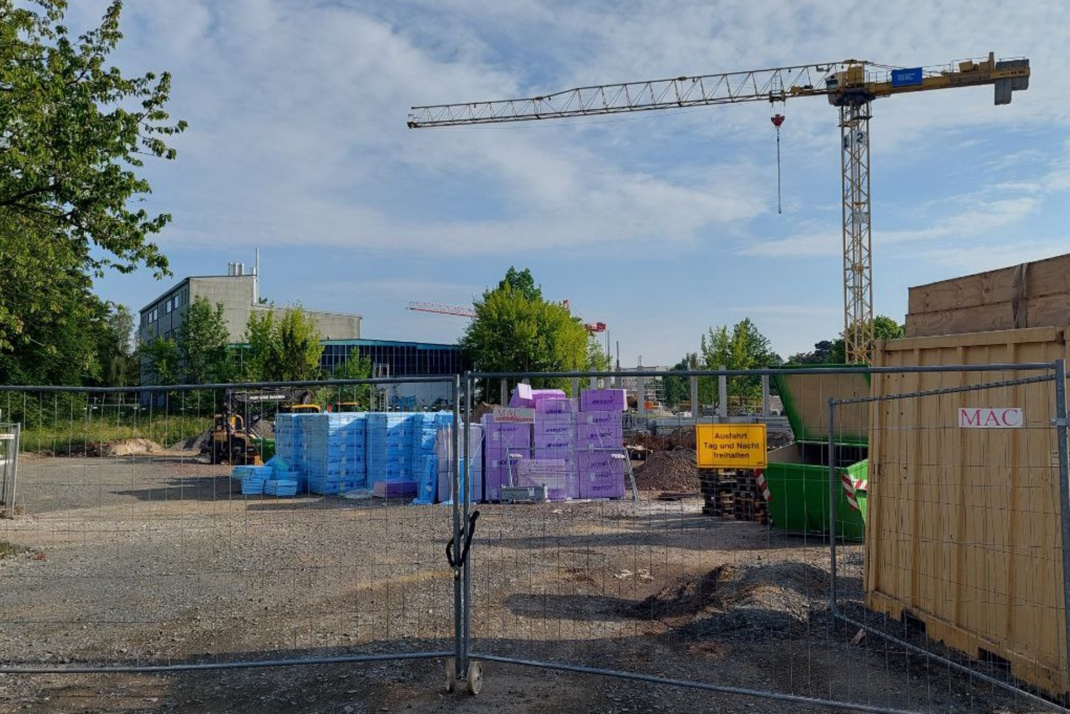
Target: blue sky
(660,224)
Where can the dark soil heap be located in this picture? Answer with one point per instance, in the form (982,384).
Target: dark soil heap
(673,471)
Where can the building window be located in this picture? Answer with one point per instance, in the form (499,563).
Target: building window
(153,315)
(167,307)
(178,300)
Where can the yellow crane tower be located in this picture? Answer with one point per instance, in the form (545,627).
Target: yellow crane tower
(850,85)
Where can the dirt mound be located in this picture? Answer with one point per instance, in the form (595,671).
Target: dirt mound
(126,447)
(668,471)
(733,598)
(194,443)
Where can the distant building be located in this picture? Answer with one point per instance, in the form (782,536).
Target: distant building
(239,293)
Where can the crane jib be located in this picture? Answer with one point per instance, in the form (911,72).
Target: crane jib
(849,85)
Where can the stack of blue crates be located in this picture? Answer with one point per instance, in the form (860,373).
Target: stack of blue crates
(390,445)
(333,448)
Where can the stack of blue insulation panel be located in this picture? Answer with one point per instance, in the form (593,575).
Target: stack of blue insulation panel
(252,478)
(390,445)
(282,470)
(333,451)
(282,488)
(288,437)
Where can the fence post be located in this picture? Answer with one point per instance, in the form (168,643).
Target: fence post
(466,619)
(766,406)
(1064,493)
(722,395)
(576,387)
(832,509)
(695,409)
(458,602)
(505,393)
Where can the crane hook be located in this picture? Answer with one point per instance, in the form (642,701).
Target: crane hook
(777,120)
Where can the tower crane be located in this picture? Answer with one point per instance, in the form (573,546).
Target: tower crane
(440,309)
(849,85)
(461,311)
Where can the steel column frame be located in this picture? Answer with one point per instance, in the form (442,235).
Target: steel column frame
(857,243)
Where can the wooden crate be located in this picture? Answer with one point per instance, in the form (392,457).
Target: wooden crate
(963,529)
(1028,295)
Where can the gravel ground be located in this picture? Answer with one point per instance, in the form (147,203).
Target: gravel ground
(154,560)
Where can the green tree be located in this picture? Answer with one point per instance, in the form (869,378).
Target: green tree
(282,348)
(516,330)
(833,351)
(597,359)
(742,348)
(203,343)
(355,366)
(74,133)
(522,281)
(678,389)
(162,358)
(62,326)
(115,348)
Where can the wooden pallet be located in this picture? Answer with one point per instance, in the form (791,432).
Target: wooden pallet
(733,495)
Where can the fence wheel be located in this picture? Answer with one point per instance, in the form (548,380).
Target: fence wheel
(451,675)
(475,677)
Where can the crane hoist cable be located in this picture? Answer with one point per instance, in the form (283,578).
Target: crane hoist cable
(777,120)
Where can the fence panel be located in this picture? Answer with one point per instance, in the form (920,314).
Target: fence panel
(964,564)
(136,547)
(717,580)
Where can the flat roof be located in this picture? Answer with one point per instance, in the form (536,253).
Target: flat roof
(361,342)
(186,279)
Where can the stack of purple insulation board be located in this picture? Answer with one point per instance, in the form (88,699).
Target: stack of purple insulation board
(574,448)
(505,445)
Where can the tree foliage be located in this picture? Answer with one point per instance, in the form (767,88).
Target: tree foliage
(678,389)
(116,354)
(203,343)
(833,351)
(516,330)
(355,366)
(744,347)
(282,348)
(162,360)
(74,132)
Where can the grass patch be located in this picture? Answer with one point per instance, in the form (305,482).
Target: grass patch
(74,436)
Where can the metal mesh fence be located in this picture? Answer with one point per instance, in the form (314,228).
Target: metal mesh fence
(961,580)
(149,534)
(720,579)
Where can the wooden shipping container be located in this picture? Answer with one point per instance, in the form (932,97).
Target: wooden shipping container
(1028,295)
(963,532)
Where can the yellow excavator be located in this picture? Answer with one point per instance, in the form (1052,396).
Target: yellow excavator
(234,439)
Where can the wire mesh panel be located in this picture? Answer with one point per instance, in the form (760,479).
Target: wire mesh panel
(223,526)
(714,578)
(962,576)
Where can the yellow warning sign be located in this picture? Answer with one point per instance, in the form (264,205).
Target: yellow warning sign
(730,446)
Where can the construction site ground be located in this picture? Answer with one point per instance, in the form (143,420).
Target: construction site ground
(154,559)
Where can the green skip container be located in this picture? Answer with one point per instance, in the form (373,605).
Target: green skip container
(797,475)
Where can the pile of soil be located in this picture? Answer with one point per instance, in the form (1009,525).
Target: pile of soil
(739,598)
(673,471)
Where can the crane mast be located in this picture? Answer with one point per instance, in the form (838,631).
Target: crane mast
(850,85)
